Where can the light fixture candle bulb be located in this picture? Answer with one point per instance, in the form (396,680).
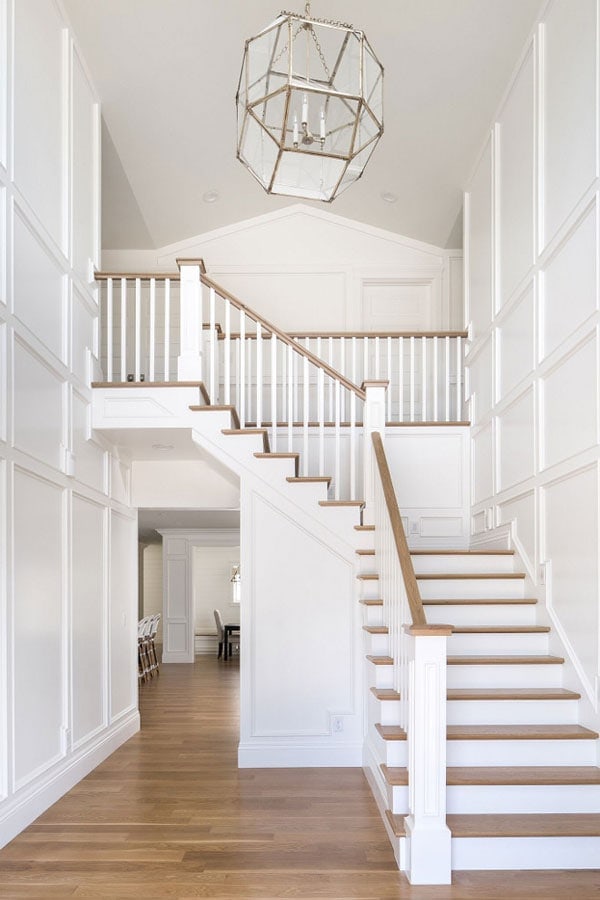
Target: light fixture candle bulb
(322,133)
(305,110)
(295,138)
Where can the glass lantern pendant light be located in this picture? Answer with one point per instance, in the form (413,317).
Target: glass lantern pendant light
(309,106)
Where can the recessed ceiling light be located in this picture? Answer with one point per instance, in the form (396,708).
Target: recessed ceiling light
(389,197)
(163,447)
(210,196)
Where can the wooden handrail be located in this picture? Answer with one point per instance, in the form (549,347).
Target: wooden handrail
(134,276)
(336,335)
(408,573)
(283,337)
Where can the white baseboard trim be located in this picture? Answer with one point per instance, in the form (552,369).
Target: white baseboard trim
(19,811)
(290,756)
(498,538)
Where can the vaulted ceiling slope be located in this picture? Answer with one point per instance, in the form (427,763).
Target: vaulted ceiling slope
(167,70)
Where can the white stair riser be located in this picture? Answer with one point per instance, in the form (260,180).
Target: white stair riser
(392,753)
(366,564)
(306,494)
(482,614)
(365,540)
(511,712)
(380,676)
(386,712)
(369,590)
(377,644)
(398,799)
(526,853)
(462,563)
(372,615)
(274,470)
(341,519)
(564,798)
(521,753)
(510,676)
(471,587)
(478,644)
(242,446)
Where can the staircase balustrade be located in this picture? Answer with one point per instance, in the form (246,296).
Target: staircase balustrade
(418,651)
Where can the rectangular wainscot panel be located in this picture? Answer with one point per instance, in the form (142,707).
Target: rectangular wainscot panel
(515,427)
(516,343)
(85,157)
(571,547)
(39,666)
(39,288)
(39,114)
(89,456)
(570,108)
(571,405)
(521,511)
(302,614)
(479,240)
(515,146)
(123,613)
(88,618)
(569,294)
(483,465)
(481,378)
(38,407)
(83,336)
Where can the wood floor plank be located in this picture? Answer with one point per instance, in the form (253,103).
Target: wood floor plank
(169,815)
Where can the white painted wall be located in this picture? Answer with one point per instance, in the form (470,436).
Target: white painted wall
(212,589)
(308,269)
(531,246)
(68,685)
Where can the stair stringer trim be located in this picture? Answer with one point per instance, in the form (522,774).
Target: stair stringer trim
(378,787)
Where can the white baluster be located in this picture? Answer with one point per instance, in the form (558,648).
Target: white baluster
(259,375)
(109,329)
(123,329)
(352,445)
(273,393)
(167,344)
(458,379)
(412,379)
(284,381)
(242,382)
(389,378)
(330,361)
(290,411)
(424,379)
(321,418)
(337,468)
(238,369)
(342,369)
(212,355)
(401,379)
(365,359)
(152,350)
(227,355)
(447,379)
(377,366)
(354,381)
(249,378)
(138,327)
(305,418)
(436,412)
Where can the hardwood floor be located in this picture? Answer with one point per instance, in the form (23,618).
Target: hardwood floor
(170,816)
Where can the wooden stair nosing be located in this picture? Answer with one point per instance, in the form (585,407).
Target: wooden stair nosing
(395,776)
(385,694)
(522,775)
(309,479)
(261,431)
(380,660)
(524,825)
(396,823)
(525,660)
(501,629)
(519,733)
(364,528)
(365,552)
(371,601)
(357,503)
(391,732)
(470,576)
(479,601)
(537,694)
(437,552)
(368,576)
(376,629)
(294,456)
(235,420)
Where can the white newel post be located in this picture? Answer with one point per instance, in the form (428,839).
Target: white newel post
(428,837)
(373,420)
(189,361)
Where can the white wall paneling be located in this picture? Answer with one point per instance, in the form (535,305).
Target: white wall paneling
(211,586)
(515,155)
(61,581)
(569,110)
(534,200)
(571,544)
(37,613)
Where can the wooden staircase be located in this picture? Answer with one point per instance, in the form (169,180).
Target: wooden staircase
(523,784)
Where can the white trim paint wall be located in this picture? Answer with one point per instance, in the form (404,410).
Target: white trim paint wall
(68,681)
(532,301)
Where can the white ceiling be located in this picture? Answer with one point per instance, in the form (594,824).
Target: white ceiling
(167,71)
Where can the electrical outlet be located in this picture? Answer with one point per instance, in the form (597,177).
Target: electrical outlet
(337,724)
(414,527)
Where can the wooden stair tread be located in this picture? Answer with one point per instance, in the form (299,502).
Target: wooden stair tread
(357,503)
(469,576)
(511,694)
(230,409)
(519,733)
(365,552)
(376,629)
(370,601)
(522,775)
(391,732)
(368,576)
(385,693)
(260,431)
(479,601)
(396,822)
(501,629)
(294,456)
(395,775)
(525,825)
(462,552)
(309,479)
(380,660)
(505,660)
(364,528)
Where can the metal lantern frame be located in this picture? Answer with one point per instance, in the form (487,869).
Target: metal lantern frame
(283,76)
